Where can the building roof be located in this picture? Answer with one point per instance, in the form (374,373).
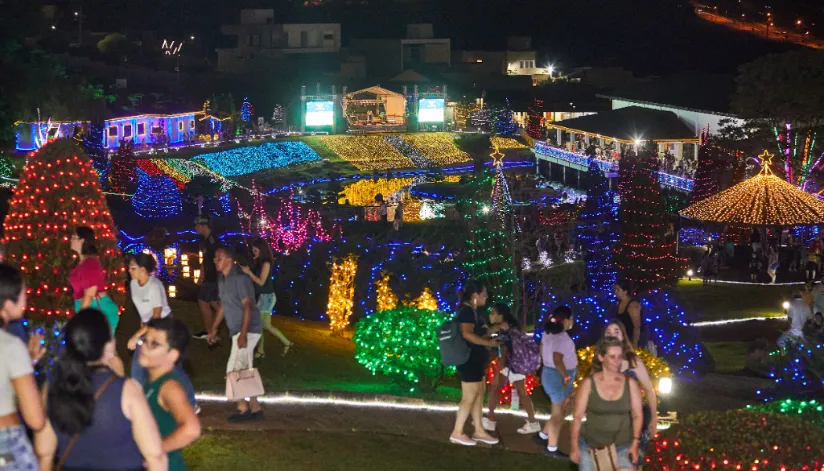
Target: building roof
(631,123)
(709,93)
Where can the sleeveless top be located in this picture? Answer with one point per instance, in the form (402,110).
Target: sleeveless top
(607,421)
(107,444)
(626,319)
(165,421)
(269,286)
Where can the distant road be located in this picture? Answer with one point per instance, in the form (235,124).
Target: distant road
(710,14)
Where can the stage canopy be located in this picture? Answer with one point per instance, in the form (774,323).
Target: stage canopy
(374,106)
(763,200)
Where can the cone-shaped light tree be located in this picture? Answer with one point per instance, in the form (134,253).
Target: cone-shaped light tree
(59,191)
(596,231)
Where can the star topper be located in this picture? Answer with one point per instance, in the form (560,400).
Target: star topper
(766,162)
(497,158)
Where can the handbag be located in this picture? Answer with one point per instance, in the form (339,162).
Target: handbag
(241,384)
(71,443)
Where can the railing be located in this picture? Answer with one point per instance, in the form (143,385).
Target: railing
(666,179)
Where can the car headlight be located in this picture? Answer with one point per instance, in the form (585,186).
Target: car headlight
(665,385)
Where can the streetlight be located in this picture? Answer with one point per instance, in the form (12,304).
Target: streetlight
(192,38)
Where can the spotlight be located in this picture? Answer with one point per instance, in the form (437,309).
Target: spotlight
(786,305)
(690,274)
(665,385)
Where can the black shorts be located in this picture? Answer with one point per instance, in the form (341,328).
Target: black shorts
(812,266)
(208,292)
(473,370)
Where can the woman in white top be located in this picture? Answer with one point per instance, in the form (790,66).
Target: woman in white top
(18,389)
(149,297)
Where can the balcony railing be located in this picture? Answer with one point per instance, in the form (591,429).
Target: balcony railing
(666,179)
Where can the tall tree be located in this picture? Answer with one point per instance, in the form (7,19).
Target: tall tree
(93,145)
(58,191)
(645,254)
(504,122)
(707,173)
(535,113)
(596,230)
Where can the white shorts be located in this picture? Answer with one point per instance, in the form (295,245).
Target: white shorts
(512,376)
(241,359)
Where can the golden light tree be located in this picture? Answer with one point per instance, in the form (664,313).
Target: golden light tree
(386,297)
(59,191)
(341,292)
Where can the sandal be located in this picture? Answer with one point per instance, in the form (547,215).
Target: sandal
(287,348)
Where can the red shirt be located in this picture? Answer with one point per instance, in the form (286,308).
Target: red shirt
(85,275)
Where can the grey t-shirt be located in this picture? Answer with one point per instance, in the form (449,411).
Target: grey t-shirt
(232,290)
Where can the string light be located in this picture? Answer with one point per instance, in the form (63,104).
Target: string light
(402,343)
(122,177)
(656,367)
(409,151)
(250,159)
(386,297)
(499,142)
(535,113)
(156,197)
(488,260)
(341,292)
(93,145)
(58,191)
(426,301)
(366,152)
(363,192)
(711,161)
(596,231)
(505,392)
(811,411)
(246,111)
(505,125)
(501,197)
(762,200)
(438,147)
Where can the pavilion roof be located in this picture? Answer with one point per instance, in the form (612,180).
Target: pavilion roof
(631,123)
(763,200)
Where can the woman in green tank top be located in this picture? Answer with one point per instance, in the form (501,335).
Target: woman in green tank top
(611,403)
(162,347)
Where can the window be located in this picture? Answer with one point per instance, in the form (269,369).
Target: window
(141,129)
(304,39)
(127,131)
(112,131)
(253,40)
(328,36)
(157,130)
(180,125)
(192,124)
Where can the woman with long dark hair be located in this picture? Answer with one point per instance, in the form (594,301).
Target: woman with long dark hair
(262,279)
(96,419)
(19,396)
(474,331)
(88,278)
(630,314)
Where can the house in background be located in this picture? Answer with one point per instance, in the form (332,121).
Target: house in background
(517,59)
(390,57)
(261,43)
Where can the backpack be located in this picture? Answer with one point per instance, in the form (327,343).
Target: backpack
(525,357)
(454,349)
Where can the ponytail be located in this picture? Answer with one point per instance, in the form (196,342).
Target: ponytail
(555,323)
(71,394)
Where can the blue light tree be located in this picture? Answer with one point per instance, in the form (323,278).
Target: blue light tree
(596,231)
(156,197)
(246,111)
(504,122)
(93,145)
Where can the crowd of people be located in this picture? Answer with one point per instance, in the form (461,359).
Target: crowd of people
(618,422)
(88,414)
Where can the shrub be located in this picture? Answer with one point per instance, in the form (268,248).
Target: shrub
(738,440)
(798,372)
(807,411)
(402,343)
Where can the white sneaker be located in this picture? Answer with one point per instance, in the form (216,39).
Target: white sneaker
(489,425)
(462,440)
(529,428)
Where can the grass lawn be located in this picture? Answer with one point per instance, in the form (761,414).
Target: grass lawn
(727,301)
(332,451)
(730,357)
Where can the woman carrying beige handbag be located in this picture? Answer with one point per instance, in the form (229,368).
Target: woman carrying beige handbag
(611,402)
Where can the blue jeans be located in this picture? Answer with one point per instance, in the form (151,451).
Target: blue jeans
(139,375)
(553,384)
(15,450)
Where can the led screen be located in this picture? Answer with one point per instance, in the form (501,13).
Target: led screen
(319,113)
(430,110)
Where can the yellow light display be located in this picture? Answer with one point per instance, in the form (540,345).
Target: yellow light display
(762,200)
(341,292)
(656,367)
(363,192)
(367,152)
(505,143)
(386,297)
(426,301)
(438,147)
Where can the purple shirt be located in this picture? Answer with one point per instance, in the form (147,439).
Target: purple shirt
(561,343)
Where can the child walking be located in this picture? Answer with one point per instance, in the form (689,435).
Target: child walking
(558,375)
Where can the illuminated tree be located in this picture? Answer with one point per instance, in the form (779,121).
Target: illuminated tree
(535,113)
(505,123)
(93,145)
(489,260)
(123,175)
(710,162)
(596,230)
(156,196)
(58,191)
(644,255)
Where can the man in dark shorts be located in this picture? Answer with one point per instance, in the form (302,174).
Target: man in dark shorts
(207,293)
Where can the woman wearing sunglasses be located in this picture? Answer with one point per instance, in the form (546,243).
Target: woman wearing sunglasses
(149,297)
(161,351)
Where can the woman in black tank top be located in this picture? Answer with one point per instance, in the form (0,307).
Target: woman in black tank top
(629,313)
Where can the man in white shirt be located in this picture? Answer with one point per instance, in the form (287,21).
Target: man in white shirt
(798,314)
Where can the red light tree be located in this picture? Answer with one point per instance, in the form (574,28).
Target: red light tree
(123,174)
(58,191)
(645,254)
(535,113)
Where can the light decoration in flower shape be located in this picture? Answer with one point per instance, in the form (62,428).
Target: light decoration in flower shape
(341,292)
(438,147)
(386,298)
(58,191)
(292,227)
(402,343)
(505,393)
(366,152)
(764,199)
